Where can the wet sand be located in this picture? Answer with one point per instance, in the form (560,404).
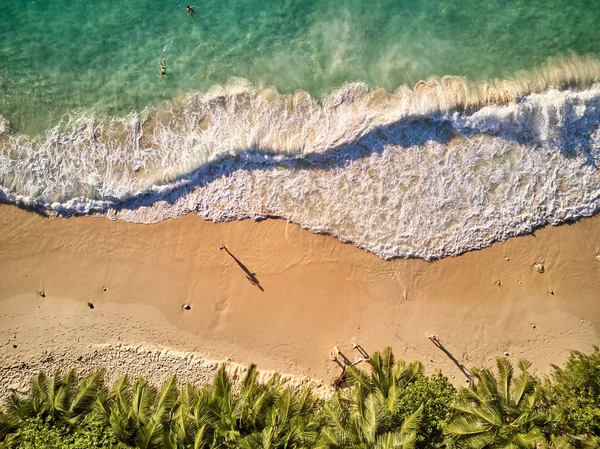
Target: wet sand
(313,292)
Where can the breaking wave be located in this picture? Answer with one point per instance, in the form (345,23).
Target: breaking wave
(429,172)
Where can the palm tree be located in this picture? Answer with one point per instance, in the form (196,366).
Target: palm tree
(288,423)
(257,416)
(60,399)
(502,412)
(218,417)
(355,420)
(365,415)
(242,417)
(387,377)
(140,415)
(194,425)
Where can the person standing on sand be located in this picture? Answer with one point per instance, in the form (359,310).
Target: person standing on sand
(222,246)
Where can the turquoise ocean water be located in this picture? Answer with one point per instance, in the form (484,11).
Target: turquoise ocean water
(59,55)
(310,110)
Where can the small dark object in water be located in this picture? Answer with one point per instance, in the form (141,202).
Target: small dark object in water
(90,305)
(187,307)
(42,294)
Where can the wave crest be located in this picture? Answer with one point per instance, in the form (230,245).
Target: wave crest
(434,171)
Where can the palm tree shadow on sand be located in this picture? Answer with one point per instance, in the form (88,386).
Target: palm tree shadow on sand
(249,275)
(463,369)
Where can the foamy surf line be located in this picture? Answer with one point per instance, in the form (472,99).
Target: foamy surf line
(432,172)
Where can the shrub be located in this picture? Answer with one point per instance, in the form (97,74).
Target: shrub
(575,394)
(40,433)
(435,393)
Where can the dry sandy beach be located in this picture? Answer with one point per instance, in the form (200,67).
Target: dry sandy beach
(315,292)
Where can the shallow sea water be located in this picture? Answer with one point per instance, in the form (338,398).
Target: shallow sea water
(59,55)
(307,110)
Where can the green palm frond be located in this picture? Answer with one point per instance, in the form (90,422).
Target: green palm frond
(60,402)
(412,422)
(396,440)
(484,440)
(150,435)
(303,401)
(527,440)
(283,405)
(201,438)
(123,425)
(54,384)
(333,438)
(486,385)
(399,370)
(141,400)
(39,393)
(498,412)
(166,397)
(70,382)
(469,395)
(19,409)
(222,385)
(251,378)
(386,441)
(381,369)
(371,418)
(505,373)
(489,414)
(85,395)
(335,414)
(410,373)
(393,397)
(252,441)
(188,396)
(466,425)
(355,376)
(122,394)
(521,386)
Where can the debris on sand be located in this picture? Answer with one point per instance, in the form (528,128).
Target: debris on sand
(539,267)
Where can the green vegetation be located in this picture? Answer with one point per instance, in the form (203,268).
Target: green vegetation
(390,405)
(504,412)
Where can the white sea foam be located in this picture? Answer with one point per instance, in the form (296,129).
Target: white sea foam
(429,172)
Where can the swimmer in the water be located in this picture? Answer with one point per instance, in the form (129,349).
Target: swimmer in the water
(190,10)
(163,68)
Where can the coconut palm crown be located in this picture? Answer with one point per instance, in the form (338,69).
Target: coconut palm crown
(364,416)
(500,411)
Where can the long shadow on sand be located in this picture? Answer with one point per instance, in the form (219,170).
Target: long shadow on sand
(249,275)
(459,365)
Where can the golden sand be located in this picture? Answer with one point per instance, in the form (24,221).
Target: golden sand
(315,292)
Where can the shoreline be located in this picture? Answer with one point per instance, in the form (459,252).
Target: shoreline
(317,292)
